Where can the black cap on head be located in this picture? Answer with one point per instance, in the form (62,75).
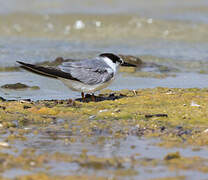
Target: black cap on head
(113,57)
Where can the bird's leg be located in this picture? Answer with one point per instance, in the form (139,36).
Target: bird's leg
(93,97)
(83,96)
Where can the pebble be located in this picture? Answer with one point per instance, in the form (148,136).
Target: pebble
(50,26)
(79,24)
(170,92)
(138,24)
(26,107)
(162,128)
(165,33)
(32,163)
(194,104)
(150,21)
(104,110)
(4,144)
(92,117)
(98,23)
(17,27)
(205,131)
(137,126)
(67,29)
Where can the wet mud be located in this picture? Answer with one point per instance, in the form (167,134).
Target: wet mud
(162,114)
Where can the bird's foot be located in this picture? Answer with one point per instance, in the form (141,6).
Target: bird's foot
(83,97)
(71,102)
(93,98)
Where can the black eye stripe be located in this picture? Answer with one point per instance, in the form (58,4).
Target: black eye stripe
(112,56)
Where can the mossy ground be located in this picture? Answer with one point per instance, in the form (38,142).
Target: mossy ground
(179,117)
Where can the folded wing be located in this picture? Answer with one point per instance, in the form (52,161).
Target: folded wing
(89,72)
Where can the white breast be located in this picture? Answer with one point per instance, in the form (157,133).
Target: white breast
(110,63)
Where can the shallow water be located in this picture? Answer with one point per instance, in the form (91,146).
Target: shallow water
(53,141)
(168,33)
(55,89)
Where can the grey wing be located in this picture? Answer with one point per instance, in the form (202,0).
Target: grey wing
(89,72)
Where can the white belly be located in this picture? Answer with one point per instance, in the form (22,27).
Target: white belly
(78,86)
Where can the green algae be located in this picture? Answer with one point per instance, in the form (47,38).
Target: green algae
(177,116)
(15,86)
(8,69)
(18,86)
(185,108)
(176,161)
(170,156)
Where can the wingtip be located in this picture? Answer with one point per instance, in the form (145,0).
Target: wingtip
(20,62)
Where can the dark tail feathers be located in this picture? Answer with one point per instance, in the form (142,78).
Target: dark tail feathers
(46,71)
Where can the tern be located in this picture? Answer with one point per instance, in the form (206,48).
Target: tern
(85,76)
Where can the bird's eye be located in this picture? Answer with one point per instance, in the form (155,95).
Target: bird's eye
(121,61)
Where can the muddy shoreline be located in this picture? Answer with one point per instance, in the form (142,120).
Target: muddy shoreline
(173,117)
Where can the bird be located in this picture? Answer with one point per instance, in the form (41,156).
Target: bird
(85,76)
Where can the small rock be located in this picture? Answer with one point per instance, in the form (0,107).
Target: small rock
(162,128)
(15,86)
(71,102)
(165,33)
(97,23)
(117,110)
(104,110)
(2,107)
(17,27)
(27,128)
(205,131)
(32,163)
(155,115)
(50,26)
(138,24)
(92,117)
(24,100)
(4,144)
(179,127)
(150,21)
(194,104)
(26,107)
(79,24)
(132,60)
(170,92)
(171,156)
(137,126)
(67,29)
